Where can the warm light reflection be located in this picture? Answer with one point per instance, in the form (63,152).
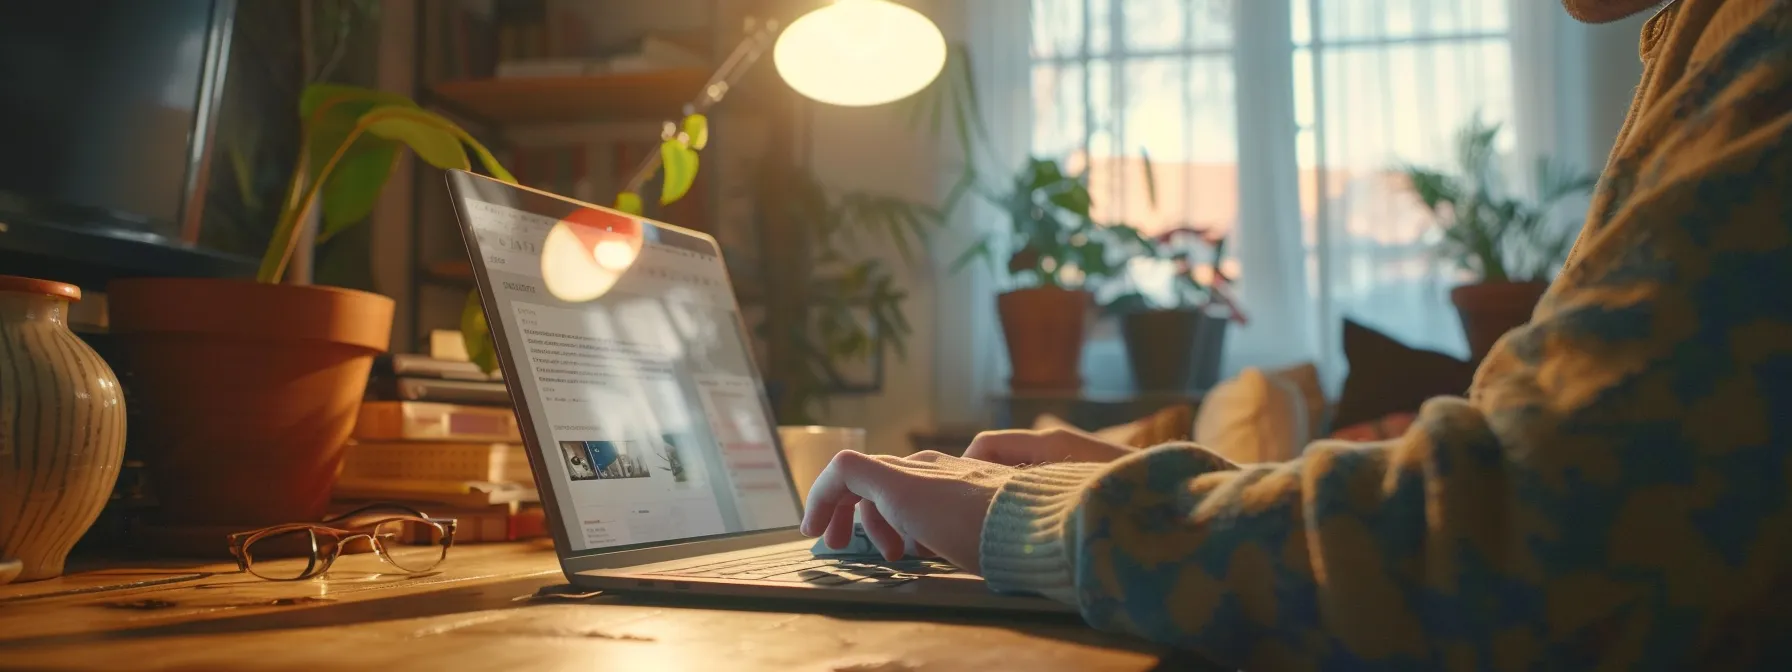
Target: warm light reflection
(613,255)
(587,252)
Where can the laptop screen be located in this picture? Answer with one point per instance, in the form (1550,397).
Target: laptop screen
(624,341)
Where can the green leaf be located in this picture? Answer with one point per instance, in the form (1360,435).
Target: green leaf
(330,112)
(1150,178)
(490,162)
(316,96)
(680,165)
(477,334)
(1074,199)
(421,132)
(629,202)
(353,187)
(965,184)
(961,56)
(696,128)
(981,250)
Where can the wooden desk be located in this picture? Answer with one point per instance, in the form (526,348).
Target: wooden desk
(480,612)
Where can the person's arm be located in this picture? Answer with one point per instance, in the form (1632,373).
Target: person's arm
(1616,490)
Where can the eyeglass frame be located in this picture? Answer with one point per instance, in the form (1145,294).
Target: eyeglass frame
(240,541)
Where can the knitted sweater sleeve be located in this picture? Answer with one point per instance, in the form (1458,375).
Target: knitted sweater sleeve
(1615,490)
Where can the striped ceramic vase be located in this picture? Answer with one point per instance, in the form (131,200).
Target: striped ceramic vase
(61,427)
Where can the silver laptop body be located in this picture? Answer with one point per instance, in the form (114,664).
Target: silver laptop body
(646,422)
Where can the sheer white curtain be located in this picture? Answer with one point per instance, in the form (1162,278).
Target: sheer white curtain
(1280,121)
(1377,83)
(970,365)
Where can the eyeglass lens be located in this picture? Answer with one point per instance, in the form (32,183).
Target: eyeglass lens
(409,545)
(286,556)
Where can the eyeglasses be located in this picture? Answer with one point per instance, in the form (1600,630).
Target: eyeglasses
(398,535)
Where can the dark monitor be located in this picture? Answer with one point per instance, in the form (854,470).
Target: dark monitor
(106,111)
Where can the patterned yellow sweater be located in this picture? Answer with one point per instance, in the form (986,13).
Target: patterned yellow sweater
(1614,493)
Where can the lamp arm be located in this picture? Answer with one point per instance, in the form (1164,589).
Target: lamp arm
(758,38)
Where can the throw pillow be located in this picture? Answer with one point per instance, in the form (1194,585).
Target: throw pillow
(1253,418)
(1379,429)
(1305,378)
(1387,376)
(1174,423)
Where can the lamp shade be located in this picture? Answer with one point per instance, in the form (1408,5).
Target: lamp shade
(860,52)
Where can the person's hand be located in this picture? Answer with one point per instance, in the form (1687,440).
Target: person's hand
(1018,447)
(937,500)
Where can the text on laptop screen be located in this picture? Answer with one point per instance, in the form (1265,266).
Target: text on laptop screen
(629,355)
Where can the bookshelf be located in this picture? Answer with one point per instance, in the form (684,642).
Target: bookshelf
(650,95)
(580,136)
(453,273)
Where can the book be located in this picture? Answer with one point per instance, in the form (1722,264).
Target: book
(449,493)
(436,461)
(473,392)
(427,421)
(448,345)
(407,365)
(472,524)
(524,68)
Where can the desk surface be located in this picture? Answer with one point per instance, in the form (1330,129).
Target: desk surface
(481,611)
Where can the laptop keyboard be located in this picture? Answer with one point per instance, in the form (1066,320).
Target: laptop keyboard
(802,566)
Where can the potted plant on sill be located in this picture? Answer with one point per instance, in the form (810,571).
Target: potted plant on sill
(1059,253)
(252,387)
(1174,307)
(1508,243)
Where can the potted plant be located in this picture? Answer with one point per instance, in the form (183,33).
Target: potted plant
(252,387)
(1174,304)
(1058,253)
(1509,243)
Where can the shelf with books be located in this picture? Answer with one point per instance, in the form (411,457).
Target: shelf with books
(652,95)
(451,272)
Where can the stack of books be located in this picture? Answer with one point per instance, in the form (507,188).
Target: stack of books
(448,460)
(440,435)
(412,377)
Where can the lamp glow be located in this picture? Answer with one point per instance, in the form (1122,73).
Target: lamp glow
(569,270)
(614,255)
(584,254)
(860,52)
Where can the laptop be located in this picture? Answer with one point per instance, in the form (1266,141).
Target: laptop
(653,445)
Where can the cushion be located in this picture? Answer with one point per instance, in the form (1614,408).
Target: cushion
(1388,426)
(1253,418)
(1305,379)
(1174,423)
(1386,376)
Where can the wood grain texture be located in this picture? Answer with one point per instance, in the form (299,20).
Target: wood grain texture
(480,612)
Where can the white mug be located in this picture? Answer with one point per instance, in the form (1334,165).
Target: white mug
(808,449)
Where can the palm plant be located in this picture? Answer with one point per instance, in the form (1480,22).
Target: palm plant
(1487,230)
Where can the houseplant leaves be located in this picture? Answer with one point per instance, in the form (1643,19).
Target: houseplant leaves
(679,163)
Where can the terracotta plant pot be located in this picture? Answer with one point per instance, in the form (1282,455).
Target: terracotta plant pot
(1173,350)
(1045,328)
(248,390)
(1490,309)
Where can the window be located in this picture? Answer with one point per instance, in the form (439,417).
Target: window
(1117,80)
(1376,83)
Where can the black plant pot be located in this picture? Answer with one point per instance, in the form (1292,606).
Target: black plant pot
(1174,350)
